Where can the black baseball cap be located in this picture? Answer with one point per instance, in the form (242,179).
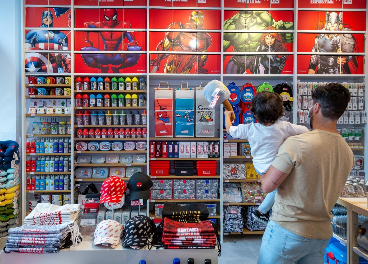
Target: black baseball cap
(138,231)
(139,186)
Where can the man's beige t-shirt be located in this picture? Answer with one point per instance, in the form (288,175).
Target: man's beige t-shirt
(319,163)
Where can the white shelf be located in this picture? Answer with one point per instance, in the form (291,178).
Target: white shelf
(341,240)
(361,252)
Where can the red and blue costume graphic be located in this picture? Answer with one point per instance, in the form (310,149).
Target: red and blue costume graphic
(112,40)
(47,40)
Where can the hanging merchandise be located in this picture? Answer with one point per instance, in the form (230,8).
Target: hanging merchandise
(205,116)
(286,92)
(163,112)
(184,112)
(234,94)
(248,92)
(265,87)
(248,117)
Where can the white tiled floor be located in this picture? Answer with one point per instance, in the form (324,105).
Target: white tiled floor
(240,249)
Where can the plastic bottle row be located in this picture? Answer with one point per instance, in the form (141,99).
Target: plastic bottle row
(49,164)
(107,100)
(48,182)
(110,118)
(110,84)
(48,145)
(112,133)
(51,128)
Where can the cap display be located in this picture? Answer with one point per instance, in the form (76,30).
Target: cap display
(138,231)
(112,191)
(139,186)
(108,232)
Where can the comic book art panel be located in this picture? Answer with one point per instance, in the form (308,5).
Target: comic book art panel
(111,18)
(259,3)
(110,63)
(325,64)
(46,17)
(48,2)
(185,63)
(47,40)
(330,43)
(37,62)
(185,19)
(186,3)
(261,64)
(185,41)
(122,41)
(345,4)
(344,20)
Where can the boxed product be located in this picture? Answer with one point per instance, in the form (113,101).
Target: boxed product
(206,168)
(233,149)
(207,189)
(251,171)
(83,173)
(133,213)
(101,215)
(126,158)
(252,192)
(183,168)
(118,215)
(193,150)
(117,171)
(100,173)
(139,158)
(158,210)
(246,151)
(182,150)
(234,171)
(109,215)
(165,194)
(184,184)
(184,194)
(131,170)
(232,193)
(162,184)
(212,209)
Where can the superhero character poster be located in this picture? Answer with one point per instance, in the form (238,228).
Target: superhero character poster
(259,3)
(344,4)
(347,42)
(264,41)
(43,62)
(100,41)
(186,3)
(47,2)
(190,41)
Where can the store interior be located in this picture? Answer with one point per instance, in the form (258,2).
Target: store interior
(99,91)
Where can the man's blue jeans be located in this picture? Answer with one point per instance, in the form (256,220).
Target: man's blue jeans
(280,246)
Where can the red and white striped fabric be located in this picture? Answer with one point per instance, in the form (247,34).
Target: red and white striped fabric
(108,232)
(113,189)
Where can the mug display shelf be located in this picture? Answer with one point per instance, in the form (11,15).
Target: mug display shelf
(110,139)
(185,177)
(184,139)
(112,152)
(47,115)
(49,85)
(48,154)
(48,96)
(49,191)
(111,91)
(110,126)
(112,108)
(48,135)
(109,164)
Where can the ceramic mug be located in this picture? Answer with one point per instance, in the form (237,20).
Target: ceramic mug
(50,111)
(59,91)
(52,91)
(32,110)
(67,91)
(42,91)
(50,80)
(32,91)
(41,80)
(41,110)
(68,80)
(60,80)
(32,80)
(67,110)
(59,110)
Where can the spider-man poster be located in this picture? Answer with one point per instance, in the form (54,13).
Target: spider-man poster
(163,116)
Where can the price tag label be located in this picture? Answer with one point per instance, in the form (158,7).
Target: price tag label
(225,140)
(79,107)
(226,203)
(152,218)
(77,185)
(80,125)
(32,154)
(153,177)
(31,172)
(30,84)
(153,201)
(33,114)
(32,96)
(78,180)
(128,164)
(31,191)
(227,181)
(136,202)
(79,151)
(153,158)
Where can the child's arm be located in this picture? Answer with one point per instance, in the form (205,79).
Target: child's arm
(294,130)
(228,123)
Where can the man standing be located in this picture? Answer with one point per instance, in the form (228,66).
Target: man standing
(309,172)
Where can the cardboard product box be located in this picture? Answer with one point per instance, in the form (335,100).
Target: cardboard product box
(234,149)
(109,215)
(193,150)
(205,149)
(206,193)
(184,184)
(184,194)
(158,209)
(187,149)
(208,184)
(212,209)
(199,149)
(182,150)
(165,194)
(162,184)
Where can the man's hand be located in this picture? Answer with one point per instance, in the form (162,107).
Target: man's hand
(272,179)
(228,123)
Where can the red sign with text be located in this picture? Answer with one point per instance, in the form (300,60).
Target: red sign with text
(345,4)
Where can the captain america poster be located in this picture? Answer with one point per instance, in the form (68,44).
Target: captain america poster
(349,42)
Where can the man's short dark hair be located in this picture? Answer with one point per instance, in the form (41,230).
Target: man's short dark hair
(333,98)
(267,107)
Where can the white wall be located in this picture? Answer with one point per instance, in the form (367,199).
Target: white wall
(10,69)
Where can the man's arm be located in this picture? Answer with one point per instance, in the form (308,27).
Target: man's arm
(272,179)
(228,123)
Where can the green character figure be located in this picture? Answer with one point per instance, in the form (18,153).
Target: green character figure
(248,42)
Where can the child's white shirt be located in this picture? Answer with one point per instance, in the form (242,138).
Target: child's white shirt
(265,140)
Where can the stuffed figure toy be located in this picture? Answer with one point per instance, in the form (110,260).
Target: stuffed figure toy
(7,150)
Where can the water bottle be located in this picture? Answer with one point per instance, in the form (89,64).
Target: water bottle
(55,146)
(47,164)
(42,146)
(43,183)
(52,179)
(56,164)
(65,165)
(37,145)
(47,184)
(61,164)
(51,145)
(37,187)
(47,143)
(61,146)
(38,165)
(56,183)
(52,163)
(61,183)
(69,146)
(66,145)
(66,182)
(70,164)
(43,163)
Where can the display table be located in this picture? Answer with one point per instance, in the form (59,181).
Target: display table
(88,253)
(354,206)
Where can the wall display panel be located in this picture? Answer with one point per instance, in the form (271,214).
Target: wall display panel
(110,41)
(43,62)
(344,20)
(334,43)
(185,63)
(186,3)
(48,2)
(259,3)
(47,17)
(261,64)
(185,41)
(185,19)
(258,20)
(110,63)
(86,2)
(47,40)
(324,64)
(110,2)
(345,4)
(104,18)
(135,2)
